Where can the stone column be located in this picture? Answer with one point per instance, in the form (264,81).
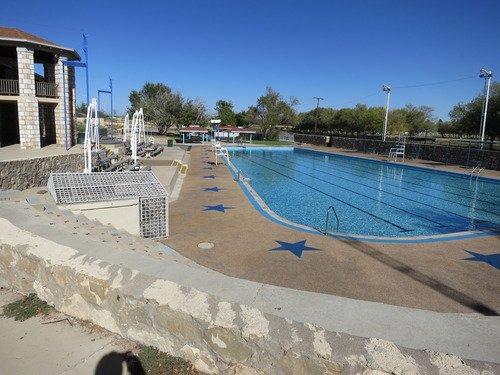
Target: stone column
(72,104)
(59,110)
(29,126)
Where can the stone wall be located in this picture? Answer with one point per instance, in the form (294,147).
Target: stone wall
(215,334)
(29,129)
(312,139)
(28,173)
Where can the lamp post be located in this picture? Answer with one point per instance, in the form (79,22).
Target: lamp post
(86,52)
(486,74)
(110,92)
(387,90)
(317,113)
(112,113)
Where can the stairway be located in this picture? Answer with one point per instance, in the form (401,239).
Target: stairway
(41,206)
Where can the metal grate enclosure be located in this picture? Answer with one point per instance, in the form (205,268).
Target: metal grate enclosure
(72,188)
(153,213)
(68,188)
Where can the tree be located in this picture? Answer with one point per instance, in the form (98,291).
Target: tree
(241,119)
(165,108)
(345,120)
(273,111)
(325,117)
(373,120)
(466,118)
(444,128)
(418,119)
(81,110)
(225,112)
(193,112)
(396,122)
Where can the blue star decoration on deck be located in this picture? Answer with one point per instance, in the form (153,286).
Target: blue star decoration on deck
(215,189)
(491,259)
(217,207)
(296,248)
(210,176)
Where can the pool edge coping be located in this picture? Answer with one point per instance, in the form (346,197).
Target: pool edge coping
(260,205)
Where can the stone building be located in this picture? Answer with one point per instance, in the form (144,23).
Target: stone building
(31,91)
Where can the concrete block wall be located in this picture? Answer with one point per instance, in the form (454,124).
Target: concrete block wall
(29,128)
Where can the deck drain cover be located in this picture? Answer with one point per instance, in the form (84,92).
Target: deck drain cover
(206,245)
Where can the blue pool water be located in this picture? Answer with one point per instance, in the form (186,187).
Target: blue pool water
(371,198)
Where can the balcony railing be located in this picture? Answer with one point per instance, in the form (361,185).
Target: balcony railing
(9,87)
(46,89)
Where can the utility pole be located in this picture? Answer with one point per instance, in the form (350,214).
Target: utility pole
(317,112)
(387,90)
(486,74)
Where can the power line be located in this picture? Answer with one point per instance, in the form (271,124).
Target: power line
(409,86)
(433,83)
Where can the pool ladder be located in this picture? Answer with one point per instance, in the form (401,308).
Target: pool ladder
(329,211)
(476,170)
(241,177)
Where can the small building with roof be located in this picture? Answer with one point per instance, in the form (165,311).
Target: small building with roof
(31,91)
(232,132)
(194,133)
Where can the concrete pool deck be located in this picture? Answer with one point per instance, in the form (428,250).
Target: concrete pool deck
(147,292)
(408,161)
(433,276)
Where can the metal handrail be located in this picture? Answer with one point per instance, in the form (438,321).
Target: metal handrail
(9,87)
(241,177)
(327,220)
(476,170)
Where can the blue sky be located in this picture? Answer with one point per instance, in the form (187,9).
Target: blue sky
(340,50)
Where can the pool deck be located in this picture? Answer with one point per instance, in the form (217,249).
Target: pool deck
(408,161)
(431,276)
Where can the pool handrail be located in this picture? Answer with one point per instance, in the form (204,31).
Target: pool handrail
(327,220)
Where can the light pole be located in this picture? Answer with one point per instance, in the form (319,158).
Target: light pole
(112,114)
(387,90)
(486,74)
(317,113)
(86,52)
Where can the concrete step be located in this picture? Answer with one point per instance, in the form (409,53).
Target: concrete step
(79,224)
(9,195)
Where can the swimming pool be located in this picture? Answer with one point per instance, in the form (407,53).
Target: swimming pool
(370,198)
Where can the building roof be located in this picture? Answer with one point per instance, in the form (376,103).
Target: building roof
(235,129)
(193,129)
(17,37)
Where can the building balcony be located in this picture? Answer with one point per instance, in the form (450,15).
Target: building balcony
(42,89)
(46,89)
(9,87)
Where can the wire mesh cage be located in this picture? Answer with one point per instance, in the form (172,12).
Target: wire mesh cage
(69,188)
(78,188)
(153,217)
